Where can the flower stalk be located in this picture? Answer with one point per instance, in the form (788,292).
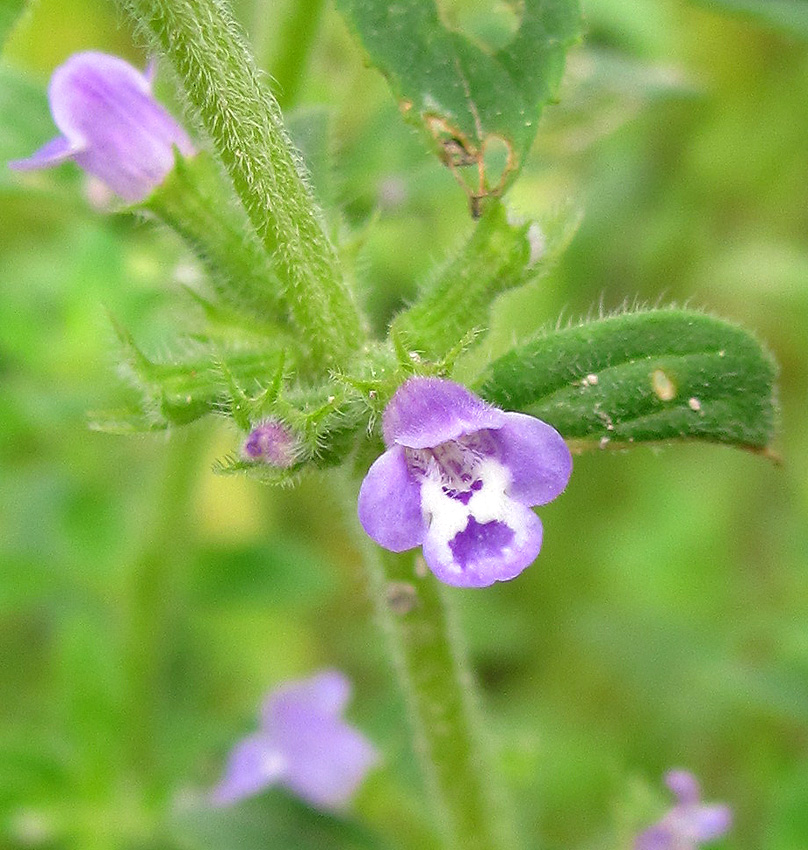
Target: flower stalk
(414,610)
(223,87)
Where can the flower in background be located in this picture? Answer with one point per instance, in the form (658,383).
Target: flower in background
(689,822)
(272,443)
(459,478)
(303,744)
(111,126)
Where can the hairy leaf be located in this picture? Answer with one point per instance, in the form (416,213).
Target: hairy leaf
(479,108)
(198,204)
(652,375)
(500,255)
(177,392)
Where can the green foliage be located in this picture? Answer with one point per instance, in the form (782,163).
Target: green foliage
(670,593)
(179,391)
(194,201)
(789,16)
(10,10)
(223,86)
(500,255)
(479,108)
(277,820)
(25,121)
(635,377)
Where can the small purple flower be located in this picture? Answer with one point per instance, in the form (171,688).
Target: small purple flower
(271,442)
(689,822)
(303,744)
(111,126)
(459,478)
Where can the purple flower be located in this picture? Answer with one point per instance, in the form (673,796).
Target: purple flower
(459,478)
(271,442)
(111,126)
(689,822)
(303,744)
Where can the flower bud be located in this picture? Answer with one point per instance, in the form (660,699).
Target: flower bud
(272,442)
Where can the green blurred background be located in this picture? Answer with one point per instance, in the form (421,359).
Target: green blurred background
(146,605)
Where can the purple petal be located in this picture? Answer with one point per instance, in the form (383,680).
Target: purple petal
(390,503)
(705,823)
(537,457)
(658,837)
(126,138)
(684,785)
(425,412)
(484,552)
(52,153)
(254,764)
(326,693)
(325,758)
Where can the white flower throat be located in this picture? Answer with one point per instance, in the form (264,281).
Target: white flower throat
(461,479)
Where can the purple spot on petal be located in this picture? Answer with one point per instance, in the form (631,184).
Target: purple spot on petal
(480,541)
(462,496)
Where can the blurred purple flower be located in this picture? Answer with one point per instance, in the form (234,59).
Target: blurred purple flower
(111,126)
(271,442)
(303,744)
(459,478)
(689,822)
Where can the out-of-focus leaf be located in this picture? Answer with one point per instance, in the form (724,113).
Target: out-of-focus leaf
(274,820)
(479,108)
(282,571)
(601,91)
(10,10)
(25,122)
(790,16)
(644,376)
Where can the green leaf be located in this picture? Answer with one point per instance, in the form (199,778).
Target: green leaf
(500,255)
(177,392)
(789,16)
(645,376)
(478,108)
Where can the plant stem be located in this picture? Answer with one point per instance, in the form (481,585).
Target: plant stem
(295,42)
(223,87)
(152,599)
(415,611)
(193,201)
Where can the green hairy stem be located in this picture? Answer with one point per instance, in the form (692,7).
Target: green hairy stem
(242,118)
(190,200)
(433,672)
